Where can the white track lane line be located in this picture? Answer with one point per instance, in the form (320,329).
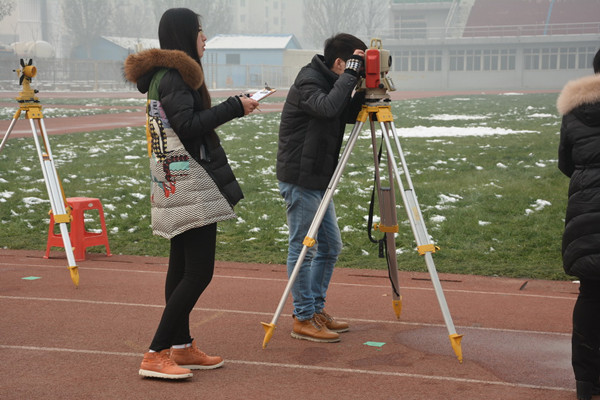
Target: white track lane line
(569,298)
(310,368)
(258,313)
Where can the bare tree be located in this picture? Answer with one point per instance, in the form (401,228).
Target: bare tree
(86,20)
(216,14)
(134,19)
(6,8)
(324,18)
(375,13)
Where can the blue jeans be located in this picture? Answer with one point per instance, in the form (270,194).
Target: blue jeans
(310,288)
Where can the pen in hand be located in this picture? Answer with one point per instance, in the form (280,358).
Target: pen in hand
(249,96)
(250,105)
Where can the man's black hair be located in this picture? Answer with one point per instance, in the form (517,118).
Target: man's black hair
(596,62)
(341,46)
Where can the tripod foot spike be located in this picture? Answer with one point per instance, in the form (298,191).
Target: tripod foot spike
(74,275)
(455,341)
(397,304)
(269,329)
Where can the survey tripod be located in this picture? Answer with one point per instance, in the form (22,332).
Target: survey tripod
(30,105)
(377,107)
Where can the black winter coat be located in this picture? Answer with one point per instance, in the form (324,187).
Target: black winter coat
(313,120)
(184,106)
(579,159)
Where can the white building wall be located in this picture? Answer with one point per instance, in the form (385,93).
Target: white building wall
(269,17)
(8,28)
(34,20)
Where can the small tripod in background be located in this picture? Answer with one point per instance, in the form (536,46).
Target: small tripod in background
(377,108)
(30,105)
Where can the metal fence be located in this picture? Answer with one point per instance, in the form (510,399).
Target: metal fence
(249,76)
(63,74)
(88,75)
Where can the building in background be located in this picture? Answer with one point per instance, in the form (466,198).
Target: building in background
(435,44)
(491,44)
(35,21)
(110,48)
(263,17)
(233,61)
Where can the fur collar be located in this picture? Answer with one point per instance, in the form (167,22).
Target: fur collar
(139,64)
(581,91)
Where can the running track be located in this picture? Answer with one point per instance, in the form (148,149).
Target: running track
(59,342)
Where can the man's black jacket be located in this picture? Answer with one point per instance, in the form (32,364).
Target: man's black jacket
(317,108)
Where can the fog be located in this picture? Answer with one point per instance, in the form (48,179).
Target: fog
(70,23)
(467,44)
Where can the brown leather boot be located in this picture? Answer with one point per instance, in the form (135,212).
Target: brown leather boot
(313,330)
(331,323)
(160,365)
(193,358)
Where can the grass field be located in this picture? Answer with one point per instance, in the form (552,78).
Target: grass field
(484,169)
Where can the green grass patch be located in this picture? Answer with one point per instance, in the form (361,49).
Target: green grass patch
(493,203)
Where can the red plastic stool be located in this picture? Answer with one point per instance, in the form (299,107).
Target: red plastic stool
(80,237)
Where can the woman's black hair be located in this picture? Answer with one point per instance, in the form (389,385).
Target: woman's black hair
(178,29)
(596,63)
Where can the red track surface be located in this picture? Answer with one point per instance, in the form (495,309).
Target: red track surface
(58,342)
(120,120)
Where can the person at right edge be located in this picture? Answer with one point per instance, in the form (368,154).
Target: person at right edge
(318,106)
(579,159)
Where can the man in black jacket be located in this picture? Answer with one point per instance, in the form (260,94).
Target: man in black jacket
(316,111)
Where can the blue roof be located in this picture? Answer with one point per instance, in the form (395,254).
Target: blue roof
(253,42)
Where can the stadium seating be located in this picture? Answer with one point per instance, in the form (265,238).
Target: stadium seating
(530,17)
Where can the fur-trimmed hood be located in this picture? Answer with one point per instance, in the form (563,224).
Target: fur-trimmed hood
(578,92)
(139,66)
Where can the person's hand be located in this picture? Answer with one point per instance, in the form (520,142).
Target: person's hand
(355,63)
(249,104)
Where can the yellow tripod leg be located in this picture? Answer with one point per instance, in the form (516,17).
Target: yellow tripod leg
(269,330)
(455,340)
(309,240)
(53,185)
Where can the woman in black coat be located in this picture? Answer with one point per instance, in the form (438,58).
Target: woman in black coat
(579,159)
(192,184)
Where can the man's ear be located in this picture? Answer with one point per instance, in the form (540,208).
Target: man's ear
(337,64)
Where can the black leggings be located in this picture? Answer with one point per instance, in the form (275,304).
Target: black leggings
(586,332)
(191,267)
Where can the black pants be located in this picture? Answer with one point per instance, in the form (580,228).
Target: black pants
(586,332)
(191,267)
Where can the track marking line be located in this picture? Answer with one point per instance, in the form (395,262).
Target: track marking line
(309,367)
(541,296)
(259,313)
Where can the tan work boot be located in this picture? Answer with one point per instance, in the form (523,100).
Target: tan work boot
(160,365)
(331,323)
(192,358)
(313,330)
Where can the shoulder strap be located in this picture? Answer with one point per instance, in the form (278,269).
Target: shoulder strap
(153,90)
(383,249)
